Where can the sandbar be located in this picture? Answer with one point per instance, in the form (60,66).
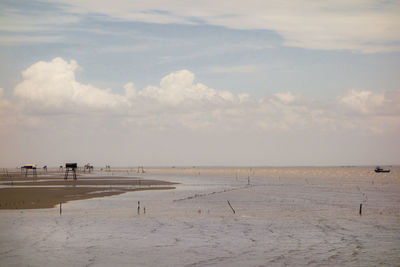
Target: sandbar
(47,192)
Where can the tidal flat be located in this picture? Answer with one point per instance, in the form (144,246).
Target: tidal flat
(307,216)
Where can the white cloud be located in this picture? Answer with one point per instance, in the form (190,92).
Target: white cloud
(178,101)
(366,102)
(178,88)
(285,97)
(376,113)
(173,88)
(363,26)
(52,86)
(130,90)
(362,101)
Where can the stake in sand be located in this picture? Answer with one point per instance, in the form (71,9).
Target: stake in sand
(231,206)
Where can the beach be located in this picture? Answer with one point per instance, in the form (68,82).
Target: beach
(295,216)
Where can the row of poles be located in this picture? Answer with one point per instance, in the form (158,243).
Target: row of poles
(233,210)
(138,208)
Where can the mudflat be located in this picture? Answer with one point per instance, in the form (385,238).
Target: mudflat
(19,192)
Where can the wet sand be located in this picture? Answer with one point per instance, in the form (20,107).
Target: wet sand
(47,191)
(41,197)
(90,182)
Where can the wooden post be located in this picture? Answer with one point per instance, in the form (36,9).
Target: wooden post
(60,209)
(360,209)
(231,207)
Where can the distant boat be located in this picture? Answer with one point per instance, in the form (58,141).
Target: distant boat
(379,169)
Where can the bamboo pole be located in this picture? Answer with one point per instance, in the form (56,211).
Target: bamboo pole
(231,207)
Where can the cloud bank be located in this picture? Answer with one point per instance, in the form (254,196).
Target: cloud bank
(54,118)
(178,101)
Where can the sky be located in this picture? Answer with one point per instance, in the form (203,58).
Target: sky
(200,83)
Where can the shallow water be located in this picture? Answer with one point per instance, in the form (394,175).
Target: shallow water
(284,216)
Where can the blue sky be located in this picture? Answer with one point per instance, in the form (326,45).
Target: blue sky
(329,66)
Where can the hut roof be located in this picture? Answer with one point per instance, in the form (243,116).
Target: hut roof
(30,165)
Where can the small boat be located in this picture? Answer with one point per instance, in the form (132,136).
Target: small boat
(379,169)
